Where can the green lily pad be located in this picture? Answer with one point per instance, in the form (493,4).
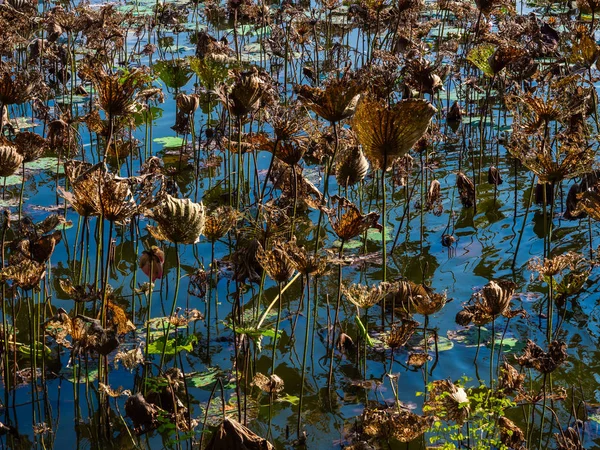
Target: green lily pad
(348,245)
(46,163)
(172,346)
(169,141)
(79,374)
(204,379)
(375,235)
(22,122)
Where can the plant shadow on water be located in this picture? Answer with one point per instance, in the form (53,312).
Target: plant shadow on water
(247,225)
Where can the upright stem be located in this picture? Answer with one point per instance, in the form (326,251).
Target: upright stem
(306,336)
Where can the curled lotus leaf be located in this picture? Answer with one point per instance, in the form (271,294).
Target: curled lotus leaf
(10,160)
(178,220)
(388,133)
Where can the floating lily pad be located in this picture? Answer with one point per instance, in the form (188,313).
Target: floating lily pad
(348,245)
(169,141)
(80,374)
(206,378)
(172,346)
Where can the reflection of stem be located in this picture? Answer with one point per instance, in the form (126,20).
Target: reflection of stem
(514,261)
(304,354)
(492,354)
(162,356)
(337,310)
(22,190)
(276,331)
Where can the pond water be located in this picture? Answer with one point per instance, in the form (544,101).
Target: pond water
(226,336)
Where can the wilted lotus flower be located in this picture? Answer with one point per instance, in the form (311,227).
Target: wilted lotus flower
(151,263)
(180,221)
(335,102)
(10,160)
(17,86)
(388,133)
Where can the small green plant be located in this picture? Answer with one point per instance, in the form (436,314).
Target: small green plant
(482,410)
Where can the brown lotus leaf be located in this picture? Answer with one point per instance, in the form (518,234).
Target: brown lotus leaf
(401,424)
(272,384)
(59,327)
(119,319)
(143,414)
(352,222)
(434,198)
(568,161)
(88,335)
(130,359)
(178,220)
(417,359)
(219,222)
(245,93)
(351,166)
(10,160)
(199,282)
(79,293)
(116,91)
(27,274)
(466,190)
(448,401)
(573,209)
(304,262)
(232,435)
(545,362)
(510,434)
(569,440)
(335,102)
(107,390)
(388,133)
(399,335)
(363,296)
(510,379)
(30,145)
(416,298)
(275,262)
